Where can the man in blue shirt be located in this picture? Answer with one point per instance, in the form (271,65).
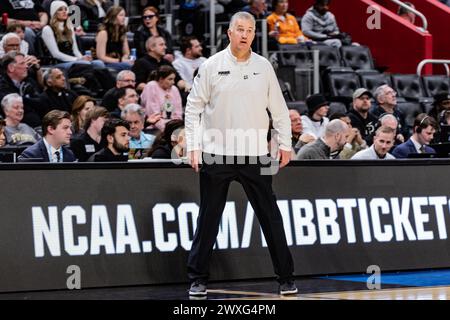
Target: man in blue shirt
(134,114)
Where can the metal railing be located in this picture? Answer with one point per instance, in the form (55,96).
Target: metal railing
(416,12)
(422,63)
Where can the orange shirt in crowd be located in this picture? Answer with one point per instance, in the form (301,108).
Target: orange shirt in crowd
(288,28)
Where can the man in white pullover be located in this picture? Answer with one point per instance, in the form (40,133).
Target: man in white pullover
(226,119)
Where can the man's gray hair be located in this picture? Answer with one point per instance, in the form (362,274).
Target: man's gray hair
(380,91)
(133,108)
(9,36)
(335,126)
(241,15)
(123,73)
(9,99)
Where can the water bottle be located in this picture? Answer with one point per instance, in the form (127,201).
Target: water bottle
(133,54)
(88,53)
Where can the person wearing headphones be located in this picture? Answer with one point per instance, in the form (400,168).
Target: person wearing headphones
(424,130)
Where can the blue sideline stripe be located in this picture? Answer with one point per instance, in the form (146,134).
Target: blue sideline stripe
(417,278)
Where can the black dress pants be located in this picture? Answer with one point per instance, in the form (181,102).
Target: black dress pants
(215,180)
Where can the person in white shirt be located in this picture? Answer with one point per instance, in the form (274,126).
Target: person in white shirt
(191,60)
(226,119)
(315,122)
(382,142)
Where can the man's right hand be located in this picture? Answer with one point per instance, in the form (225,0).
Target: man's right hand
(193,158)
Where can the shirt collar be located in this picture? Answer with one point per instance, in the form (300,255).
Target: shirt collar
(51,150)
(235,60)
(417,145)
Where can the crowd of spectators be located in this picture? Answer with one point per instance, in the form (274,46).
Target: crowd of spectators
(110,89)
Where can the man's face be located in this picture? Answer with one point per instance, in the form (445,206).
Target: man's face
(322,8)
(390,122)
(159,47)
(128,80)
(121,139)
(445,105)
(382,143)
(62,132)
(426,135)
(130,97)
(362,104)
(15,111)
(389,97)
(259,6)
(241,35)
(136,124)
(196,49)
(18,69)
(57,79)
(296,122)
(13,44)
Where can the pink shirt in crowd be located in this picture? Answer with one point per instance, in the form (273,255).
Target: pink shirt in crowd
(153,99)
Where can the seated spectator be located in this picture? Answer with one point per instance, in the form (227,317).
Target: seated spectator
(17,133)
(59,38)
(257,8)
(124,96)
(124,79)
(379,150)
(334,140)
(115,138)
(88,143)
(15,79)
(315,121)
(406,14)
(283,26)
(441,102)
(319,24)
(161,96)
(93,12)
(355,142)
(134,114)
(150,28)
(386,100)
(390,121)
(19,31)
(52,148)
(424,130)
(56,96)
(299,139)
(191,60)
(3,140)
(360,116)
(28,14)
(170,144)
(80,108)
(112,42)
(156,50)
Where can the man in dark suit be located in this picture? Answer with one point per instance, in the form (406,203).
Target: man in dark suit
(56,129)
(424,129)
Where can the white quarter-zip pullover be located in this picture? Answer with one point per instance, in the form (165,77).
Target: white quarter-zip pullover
(226,111)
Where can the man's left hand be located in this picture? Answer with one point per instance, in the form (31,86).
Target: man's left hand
(285,157)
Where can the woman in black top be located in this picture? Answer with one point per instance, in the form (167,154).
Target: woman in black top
(112,43)
(150,27)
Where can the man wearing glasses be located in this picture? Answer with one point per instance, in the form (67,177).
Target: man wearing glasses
(386,99)
(124,79)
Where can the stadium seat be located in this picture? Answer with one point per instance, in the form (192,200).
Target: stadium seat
(341,85)
(373,79)
(328,56)
(300,106)
(357,57)
(434,84)
(409,86)
(410,110)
